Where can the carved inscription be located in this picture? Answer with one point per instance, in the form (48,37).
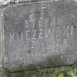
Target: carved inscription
(47,32)
(39,34)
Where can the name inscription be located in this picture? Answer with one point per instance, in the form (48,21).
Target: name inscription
(46,32)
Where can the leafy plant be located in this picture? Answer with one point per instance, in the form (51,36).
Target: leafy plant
(72,73)
(61,75)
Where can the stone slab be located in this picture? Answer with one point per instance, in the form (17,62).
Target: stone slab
(39,35)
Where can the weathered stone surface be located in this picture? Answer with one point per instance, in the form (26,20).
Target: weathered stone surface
(9,2)
(38,35)
(6,2)
(2,71)
(23,1)
(0,37)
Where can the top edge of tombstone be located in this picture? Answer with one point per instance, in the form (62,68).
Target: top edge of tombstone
(29,2)
(32,2)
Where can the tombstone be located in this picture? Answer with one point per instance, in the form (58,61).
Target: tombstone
(39,35)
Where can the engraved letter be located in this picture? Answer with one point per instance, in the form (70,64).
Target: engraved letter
(34,33)
(26,23)
(66,33)
(40,22)
(27,35)
(32,20)
(41,33)
(48,33)
(71,29)
(12,36)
